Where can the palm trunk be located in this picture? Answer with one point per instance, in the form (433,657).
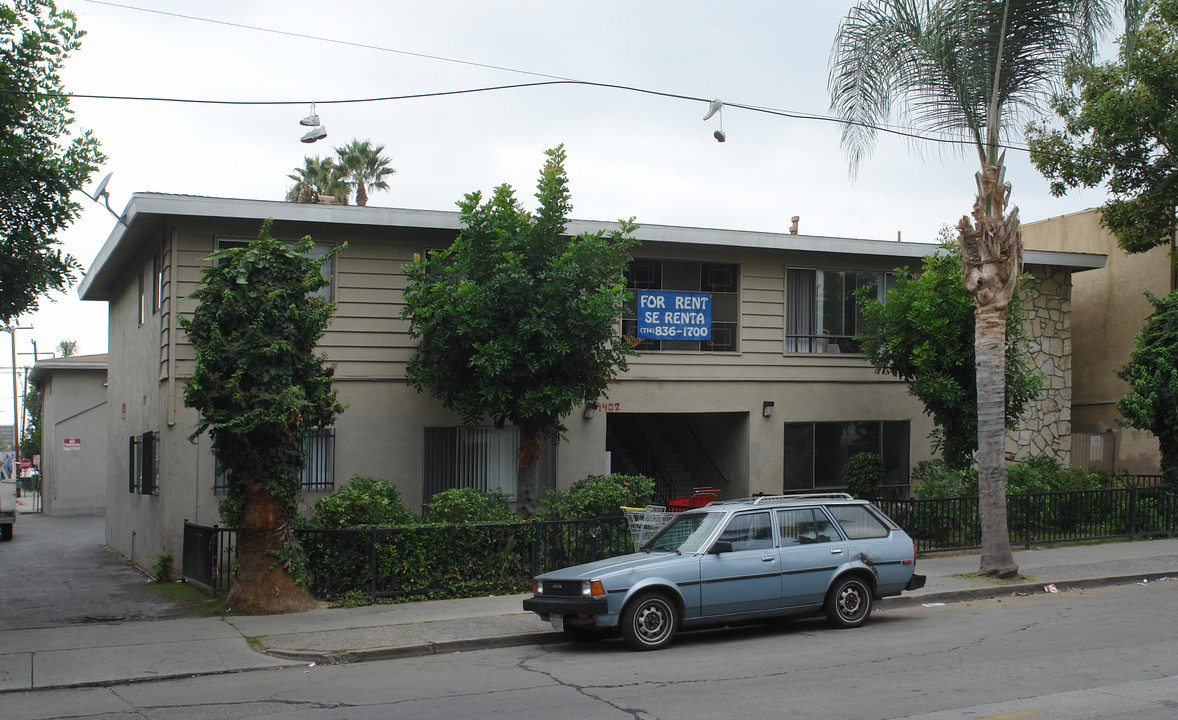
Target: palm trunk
(992,259)
(263,586)
(990,361)
(361,194)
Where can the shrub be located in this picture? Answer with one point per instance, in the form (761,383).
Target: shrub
(599,496)
(933,479)
(364,501)
(863,474)
(465,506)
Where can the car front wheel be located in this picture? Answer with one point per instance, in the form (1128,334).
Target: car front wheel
(650,622)
(848,604)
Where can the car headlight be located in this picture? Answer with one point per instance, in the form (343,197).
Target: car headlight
(592,588)
(537,587)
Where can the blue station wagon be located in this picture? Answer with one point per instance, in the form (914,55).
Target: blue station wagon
(734,560)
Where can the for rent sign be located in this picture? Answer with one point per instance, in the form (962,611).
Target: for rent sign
(669,315)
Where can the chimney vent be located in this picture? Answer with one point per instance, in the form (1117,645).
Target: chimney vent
(793,225)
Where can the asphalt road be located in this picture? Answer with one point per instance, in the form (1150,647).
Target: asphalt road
(56,571)
(1104,653)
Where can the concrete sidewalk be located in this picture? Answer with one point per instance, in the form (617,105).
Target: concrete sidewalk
(154,650)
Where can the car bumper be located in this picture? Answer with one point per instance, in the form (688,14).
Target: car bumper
(546,606)
(916,582)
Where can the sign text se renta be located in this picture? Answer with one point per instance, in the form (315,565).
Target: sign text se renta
(672,315)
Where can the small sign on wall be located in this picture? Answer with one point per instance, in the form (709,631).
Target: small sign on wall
(71,444)
(667,315)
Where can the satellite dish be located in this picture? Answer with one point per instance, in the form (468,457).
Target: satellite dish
(100,191)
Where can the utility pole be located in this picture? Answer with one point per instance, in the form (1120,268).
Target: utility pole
(11,330)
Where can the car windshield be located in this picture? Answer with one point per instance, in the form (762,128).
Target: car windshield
(686,533)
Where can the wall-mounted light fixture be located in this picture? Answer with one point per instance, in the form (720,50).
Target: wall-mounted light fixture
(767,408)
(590,411)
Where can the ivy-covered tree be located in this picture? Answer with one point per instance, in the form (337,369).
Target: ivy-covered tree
(1152,374)
(40,163)
(923,334)
(517,321)
(260,388)
(1119,129)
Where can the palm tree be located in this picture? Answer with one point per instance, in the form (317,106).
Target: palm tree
(364,168)
(68,348)
(318,178)
(969,69)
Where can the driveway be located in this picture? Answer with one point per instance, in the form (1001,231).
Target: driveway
(56,571)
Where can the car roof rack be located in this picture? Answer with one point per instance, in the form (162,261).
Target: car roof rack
(758,499)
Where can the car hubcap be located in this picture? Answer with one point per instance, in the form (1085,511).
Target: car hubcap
(651,622)
(850,602)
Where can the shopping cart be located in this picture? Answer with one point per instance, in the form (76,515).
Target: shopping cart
(645,522)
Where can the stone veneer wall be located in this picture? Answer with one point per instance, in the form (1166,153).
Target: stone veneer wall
(1046,426)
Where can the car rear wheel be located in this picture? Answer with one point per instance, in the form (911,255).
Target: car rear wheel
(5,532)
(650,622)
(848,604)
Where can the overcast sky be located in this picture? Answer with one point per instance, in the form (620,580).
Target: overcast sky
(629,153)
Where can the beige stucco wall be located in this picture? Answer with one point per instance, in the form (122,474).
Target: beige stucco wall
(1108,307)
(74,408)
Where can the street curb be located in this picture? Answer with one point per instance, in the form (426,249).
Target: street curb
(542,637)
(342,657)
(1036,588)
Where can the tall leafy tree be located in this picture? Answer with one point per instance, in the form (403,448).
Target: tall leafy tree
(41,162)
(260,388)
(970,69)
(1118,127)
(517,321)
(923,335)
(363,168)
(1152,374)
(318,177)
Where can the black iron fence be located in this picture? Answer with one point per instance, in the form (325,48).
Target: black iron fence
(947,524)
(465,560)
(426,560)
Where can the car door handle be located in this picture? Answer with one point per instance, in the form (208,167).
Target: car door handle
(835,551)
(767,558)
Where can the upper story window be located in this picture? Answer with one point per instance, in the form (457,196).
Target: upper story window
(720,280)
(823,314)
(327,292)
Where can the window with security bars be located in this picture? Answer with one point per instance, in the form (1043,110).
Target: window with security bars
(318,473)
(720,280)
(143,464)
(481,458)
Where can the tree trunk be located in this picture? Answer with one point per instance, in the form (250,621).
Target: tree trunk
(990,361)
(361,194)
(263,585)
(526,500)
(992,259)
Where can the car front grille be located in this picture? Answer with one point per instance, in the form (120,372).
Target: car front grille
(562,588)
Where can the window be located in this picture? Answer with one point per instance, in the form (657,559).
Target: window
(857,522)
(318,472)
(142,300)
(143,463)
(805,526)
(721,280)
(482,458)
(816,452)
(822,311)
(327,292)
(751,531)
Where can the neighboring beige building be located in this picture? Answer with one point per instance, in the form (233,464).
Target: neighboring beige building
(74,434)
(776,400)
(1108,308)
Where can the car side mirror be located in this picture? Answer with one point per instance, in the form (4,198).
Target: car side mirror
(720,546)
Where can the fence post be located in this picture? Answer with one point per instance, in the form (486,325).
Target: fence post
(1027,521)
(1132,512)
(535,550)
(372,562)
